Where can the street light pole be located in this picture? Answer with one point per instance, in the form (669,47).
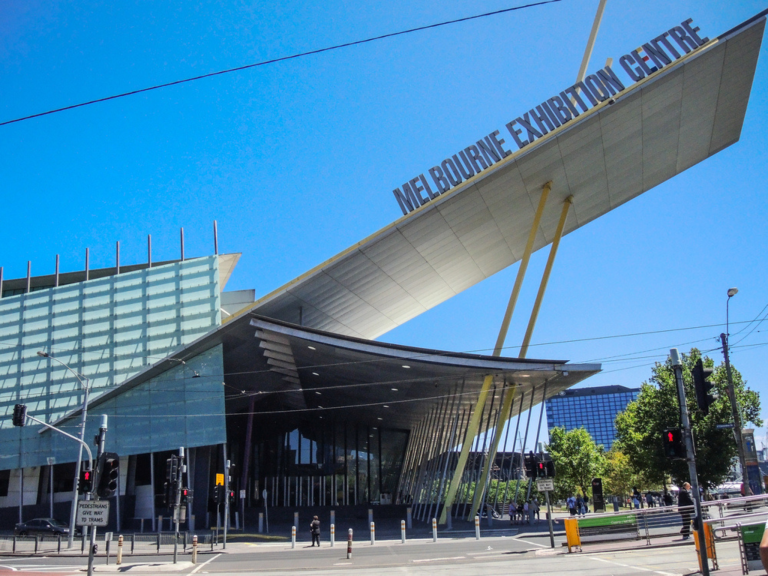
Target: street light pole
(732,394)
(84,384)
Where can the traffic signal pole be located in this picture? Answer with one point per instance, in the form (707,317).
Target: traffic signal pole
(691,458)
(102,441)
(226,501)
(736,417)
(177,504)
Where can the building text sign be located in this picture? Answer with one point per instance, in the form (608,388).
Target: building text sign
(92,513)
(549,115)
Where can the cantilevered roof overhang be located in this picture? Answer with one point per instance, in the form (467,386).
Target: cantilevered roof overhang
(655,129)
(292,372)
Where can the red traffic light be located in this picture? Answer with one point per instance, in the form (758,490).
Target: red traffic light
(86,475)
(670,436)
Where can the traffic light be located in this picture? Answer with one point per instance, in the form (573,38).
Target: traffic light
(703,387)
(218,494)
(85,482)
(530,465)
(19,415)
(109,472)
(172,469)
(168,494)
(546,466)
(186,496)
(674,444)
(231,496)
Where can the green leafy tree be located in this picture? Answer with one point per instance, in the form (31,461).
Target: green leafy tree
(640,427)
(618,474)
(577,459)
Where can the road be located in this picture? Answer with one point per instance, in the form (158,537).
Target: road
(466,556)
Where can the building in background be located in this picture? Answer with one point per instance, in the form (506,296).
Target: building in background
(592,408)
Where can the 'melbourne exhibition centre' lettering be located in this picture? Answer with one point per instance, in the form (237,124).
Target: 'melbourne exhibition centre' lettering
(549,115)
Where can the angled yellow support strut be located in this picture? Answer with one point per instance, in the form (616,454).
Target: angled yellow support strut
(474,421)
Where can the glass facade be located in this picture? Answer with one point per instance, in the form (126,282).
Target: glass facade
(595,409)
(109,329)
(331,464)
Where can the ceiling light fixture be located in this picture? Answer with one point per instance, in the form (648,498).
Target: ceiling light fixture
(311,347)
(318,393)
(394,389)
(315,374)
(406,366)
(381,418)
(385,406)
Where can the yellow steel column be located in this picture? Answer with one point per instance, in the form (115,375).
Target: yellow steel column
(545,278)
(506,408)
(474,421)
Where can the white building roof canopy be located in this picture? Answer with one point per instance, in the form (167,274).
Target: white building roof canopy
(655,129)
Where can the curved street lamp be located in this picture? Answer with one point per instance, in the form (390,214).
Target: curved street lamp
(84,384)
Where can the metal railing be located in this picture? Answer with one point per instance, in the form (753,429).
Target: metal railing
(143,543)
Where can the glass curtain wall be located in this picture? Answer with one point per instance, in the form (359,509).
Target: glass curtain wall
(331,464)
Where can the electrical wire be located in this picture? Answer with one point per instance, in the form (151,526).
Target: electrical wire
(280,59)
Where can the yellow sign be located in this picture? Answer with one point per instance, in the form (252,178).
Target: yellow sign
(219,479)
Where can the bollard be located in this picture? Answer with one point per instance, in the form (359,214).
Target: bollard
(409,517)
(261,522)
(37,538)
(106,546)
(434,529)
(373,533)
(82,545)
(133,542)
(402,531)
(477,527)
(14,544)
(59,551)
(119,549)
(293,536)
(158,542)
(349,544)
(370,515)
(333,534)
(194,549)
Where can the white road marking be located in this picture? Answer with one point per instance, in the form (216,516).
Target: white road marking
(641,569)
(438,559)
(204,563)
(8,567)
(529,542)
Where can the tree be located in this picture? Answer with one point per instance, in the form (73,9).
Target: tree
(640,427)
(618,474)
(577,459)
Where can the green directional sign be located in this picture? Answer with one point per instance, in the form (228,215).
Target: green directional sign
(620,520)
(751,535)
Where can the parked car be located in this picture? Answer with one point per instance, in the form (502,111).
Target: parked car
(42,527)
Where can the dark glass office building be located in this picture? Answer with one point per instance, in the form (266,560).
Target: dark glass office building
(593,408)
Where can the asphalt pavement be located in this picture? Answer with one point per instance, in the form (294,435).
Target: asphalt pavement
(523,554)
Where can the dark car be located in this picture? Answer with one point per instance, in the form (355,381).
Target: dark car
(42,527)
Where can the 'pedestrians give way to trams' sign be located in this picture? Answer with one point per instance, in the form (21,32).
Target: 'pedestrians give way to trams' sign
(92,513)
(545,484)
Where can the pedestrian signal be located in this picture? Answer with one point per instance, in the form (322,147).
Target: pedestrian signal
(674,444)
(702,386)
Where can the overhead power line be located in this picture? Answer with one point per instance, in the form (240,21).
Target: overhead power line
(281,59)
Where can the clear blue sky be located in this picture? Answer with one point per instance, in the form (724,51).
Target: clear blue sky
(297,160)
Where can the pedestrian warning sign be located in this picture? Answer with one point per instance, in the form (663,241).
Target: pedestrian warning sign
(92,513)
(219,479)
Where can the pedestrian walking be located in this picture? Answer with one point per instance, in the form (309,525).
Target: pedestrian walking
(649,499)
(314,528)
(668,500)
(533,510)
(571,503)
(520,513)
(538,509)
(685,507)
(579,505)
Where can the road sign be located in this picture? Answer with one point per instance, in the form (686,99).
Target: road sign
(92,513)
(219,479)
(242,494)
(545,484)
(724,426)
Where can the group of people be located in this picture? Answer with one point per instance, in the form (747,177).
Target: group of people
(577,505)
(522,512)
(650,500)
